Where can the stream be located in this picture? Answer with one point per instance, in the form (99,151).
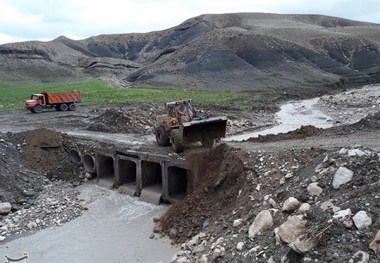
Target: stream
(116,228)
(291,116)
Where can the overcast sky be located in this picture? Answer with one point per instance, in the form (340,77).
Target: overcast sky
(77,19)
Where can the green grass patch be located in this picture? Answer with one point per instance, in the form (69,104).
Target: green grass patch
(14,94)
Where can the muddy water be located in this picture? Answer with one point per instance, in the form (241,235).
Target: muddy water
(116,228)
(291,116)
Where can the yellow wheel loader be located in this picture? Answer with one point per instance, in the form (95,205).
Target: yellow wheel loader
(181,125)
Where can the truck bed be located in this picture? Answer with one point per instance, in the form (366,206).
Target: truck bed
(56,98)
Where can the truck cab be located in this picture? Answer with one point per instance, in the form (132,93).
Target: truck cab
(36,99)
(36,103)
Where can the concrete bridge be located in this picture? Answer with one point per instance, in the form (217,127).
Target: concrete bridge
(153,177)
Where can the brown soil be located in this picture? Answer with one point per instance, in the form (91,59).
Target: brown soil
(221,178)
(45,151)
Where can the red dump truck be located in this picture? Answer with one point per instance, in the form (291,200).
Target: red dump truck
(59,101)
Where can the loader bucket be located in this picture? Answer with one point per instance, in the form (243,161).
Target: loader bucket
(204,130)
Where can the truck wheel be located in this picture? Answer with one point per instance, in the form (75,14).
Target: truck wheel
(38,109)
(176,140)
(72,106)
(161,138)
(63,107)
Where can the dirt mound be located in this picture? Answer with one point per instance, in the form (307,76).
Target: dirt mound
(118,121)
(370,122)
(45,151)
(300,133)
(221,171)
(18,184)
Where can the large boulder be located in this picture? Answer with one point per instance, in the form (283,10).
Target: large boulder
(263,221)
(291,229)
(291,204)
(342,176)
(362,220)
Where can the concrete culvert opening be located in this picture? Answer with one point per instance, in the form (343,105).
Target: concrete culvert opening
(75,157)
(151,173)
(127,173)
(105,170)
(177,182)
(89,163)
(151,182)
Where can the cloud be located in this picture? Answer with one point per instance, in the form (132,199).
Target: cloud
(45,19)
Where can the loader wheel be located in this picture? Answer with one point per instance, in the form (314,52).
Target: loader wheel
(161,138)
(176,140)
(38,109)
(72,106)
(63,107)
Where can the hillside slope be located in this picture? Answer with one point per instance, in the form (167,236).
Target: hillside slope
(242,51)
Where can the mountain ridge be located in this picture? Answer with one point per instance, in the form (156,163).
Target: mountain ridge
(237,51)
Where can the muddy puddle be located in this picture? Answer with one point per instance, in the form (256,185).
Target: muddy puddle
(292,116)
(116,228)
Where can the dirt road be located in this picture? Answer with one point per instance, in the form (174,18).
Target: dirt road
(113,126)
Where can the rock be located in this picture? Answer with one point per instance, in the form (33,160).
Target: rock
(314,190)
(271,260)
(272,203)
(343,151)
(355,152)
(348,223)
(375,244)
(291,204)
(5,208)
(263,221)
(291,229)
(218,253)
(240,246)
(362,220)
(328,205)
(343,215)
(31,225)
(2,238)
(342,176)
(173,233)
(289,175)
(237,222)
(151,236)
(302,244)
(304,208)
(359,257)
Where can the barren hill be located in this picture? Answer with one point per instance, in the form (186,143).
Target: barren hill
(242,51)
